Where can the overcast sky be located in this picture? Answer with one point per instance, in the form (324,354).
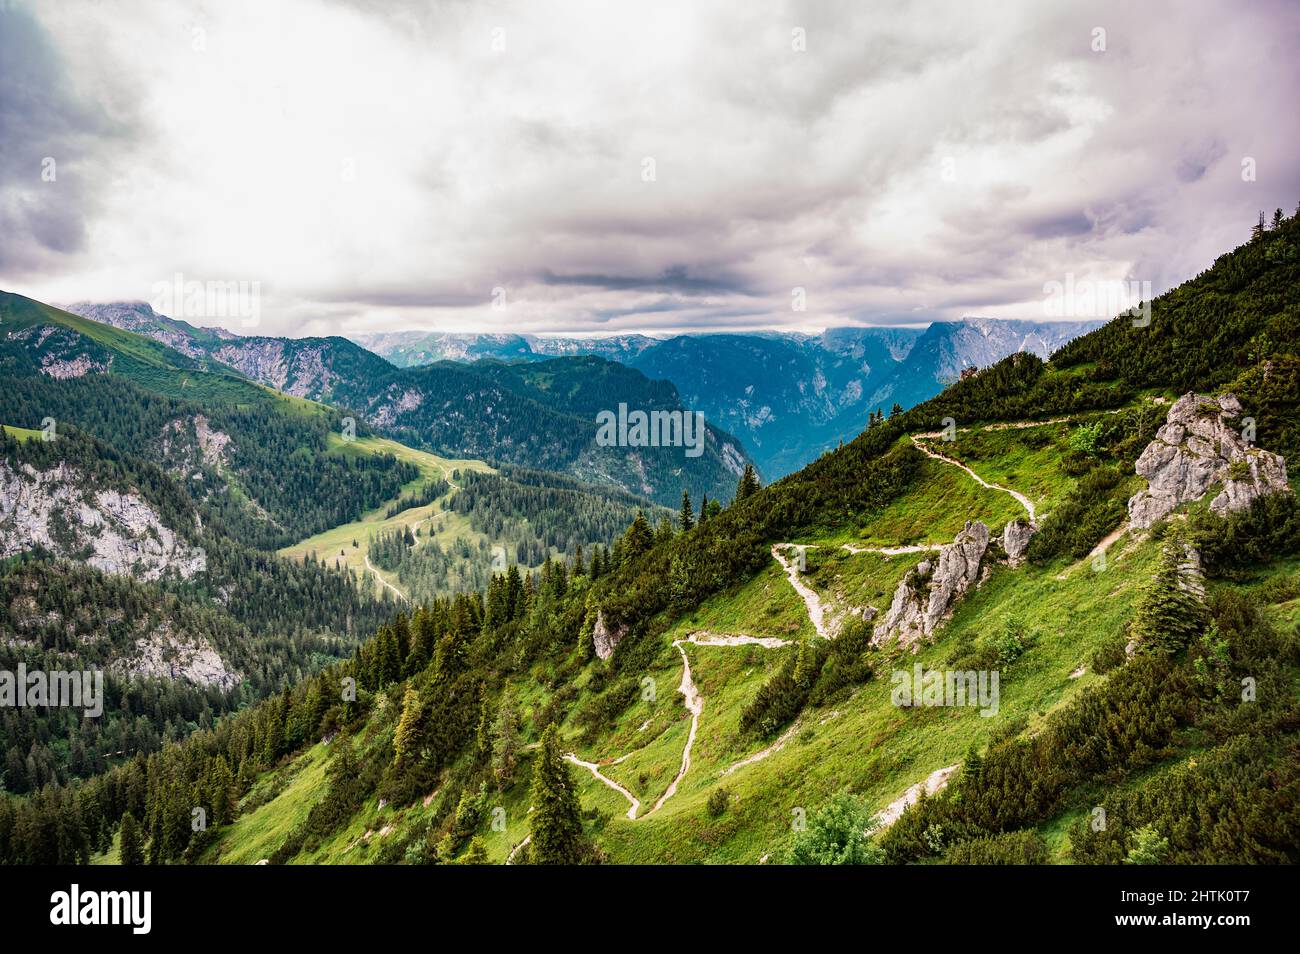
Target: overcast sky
(622,166)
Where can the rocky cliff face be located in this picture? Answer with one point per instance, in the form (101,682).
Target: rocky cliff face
(61,353)
(1198,448)
(925,596)
(606,637)
(111,531)
(164,655)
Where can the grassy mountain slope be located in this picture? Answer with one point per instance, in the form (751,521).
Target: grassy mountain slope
(722,721)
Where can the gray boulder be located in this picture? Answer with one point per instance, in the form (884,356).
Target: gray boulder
(925,596)
(1015,539)
(1200,447)
(606,637)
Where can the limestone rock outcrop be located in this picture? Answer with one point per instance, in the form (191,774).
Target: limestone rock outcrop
(60,511)
(1015,539)
(606,637)
(165,655)
(925,596)
(1200,447)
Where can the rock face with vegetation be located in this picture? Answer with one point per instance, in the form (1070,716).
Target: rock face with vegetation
(114,532)
(606,638)
(1200,446)
(926,595)
(164,654)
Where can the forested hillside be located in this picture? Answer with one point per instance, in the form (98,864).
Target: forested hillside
(688,693)
(542,416)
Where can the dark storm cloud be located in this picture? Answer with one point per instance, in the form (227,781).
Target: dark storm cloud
(51,142)
(924,159)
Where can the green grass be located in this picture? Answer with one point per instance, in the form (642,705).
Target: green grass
(22,433)
(258,833)
(335,544)
(933,510)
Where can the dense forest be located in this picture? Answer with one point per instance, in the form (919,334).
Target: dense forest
(273,483)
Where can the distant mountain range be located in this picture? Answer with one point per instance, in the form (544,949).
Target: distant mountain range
(788,397)
(540,414)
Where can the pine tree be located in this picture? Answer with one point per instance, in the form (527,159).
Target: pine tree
(1169,614)
(973,768)
(407,737)
(1277,218)
(1258,229)
(505,741)
(748,485)
(556,820)
(477,854)
(686,518)
(130,850)
(638,538)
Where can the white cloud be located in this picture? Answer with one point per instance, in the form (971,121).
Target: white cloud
(378,166)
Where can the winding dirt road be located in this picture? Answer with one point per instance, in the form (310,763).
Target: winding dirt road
(369,566)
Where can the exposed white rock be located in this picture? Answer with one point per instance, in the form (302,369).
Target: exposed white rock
(605,637)
(925,596)
(1198,448)
(163,655)
(1015,539)
(114,532)
(387,413)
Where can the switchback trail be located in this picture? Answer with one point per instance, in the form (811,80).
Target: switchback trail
(694,705)
(918,443)
(816,610)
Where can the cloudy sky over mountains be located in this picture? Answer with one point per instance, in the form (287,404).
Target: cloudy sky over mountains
(650,167)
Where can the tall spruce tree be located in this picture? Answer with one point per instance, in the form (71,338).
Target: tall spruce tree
(638,538)
(130,850)
(556,820)
(686,517)
(748,485)
(1169,613)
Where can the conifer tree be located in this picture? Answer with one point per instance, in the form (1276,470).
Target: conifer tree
(748,485)
(686,518)
(130,849)
(1169,614)
(556,820)
(407,737)
(505,741)
(477,854)
(638,538)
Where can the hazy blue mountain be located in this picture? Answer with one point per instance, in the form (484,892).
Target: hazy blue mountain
(539,414)
(787,396)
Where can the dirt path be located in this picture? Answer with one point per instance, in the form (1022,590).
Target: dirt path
(1024,501)
(594,769)
(704,638)
(1108,539)
(895,551)
(936,781)
(695,706)
(816,609)
(776,746)
(510,858)
(400,595)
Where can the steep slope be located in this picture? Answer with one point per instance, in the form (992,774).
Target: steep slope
(1111,688)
